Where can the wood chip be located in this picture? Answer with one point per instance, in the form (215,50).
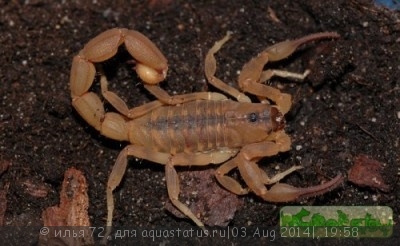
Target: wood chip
(212,204)
(366,173)
(71,213)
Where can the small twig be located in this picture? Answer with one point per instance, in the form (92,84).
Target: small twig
(367,132)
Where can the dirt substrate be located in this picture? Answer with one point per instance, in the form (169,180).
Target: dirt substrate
(348,106)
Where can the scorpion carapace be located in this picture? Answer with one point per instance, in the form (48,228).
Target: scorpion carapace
(199,128)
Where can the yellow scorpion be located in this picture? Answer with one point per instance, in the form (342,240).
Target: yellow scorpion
(200,128)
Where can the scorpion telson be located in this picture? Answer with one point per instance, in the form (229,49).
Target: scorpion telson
(194,129)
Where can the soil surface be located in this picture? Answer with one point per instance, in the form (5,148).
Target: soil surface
(347,107)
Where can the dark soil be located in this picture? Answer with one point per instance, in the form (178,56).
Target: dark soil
(348,106)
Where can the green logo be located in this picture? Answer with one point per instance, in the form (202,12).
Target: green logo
(336,221)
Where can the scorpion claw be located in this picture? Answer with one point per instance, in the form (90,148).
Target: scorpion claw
(284,193)
(283,49)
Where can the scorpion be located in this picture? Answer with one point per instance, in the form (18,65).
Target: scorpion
(194,129)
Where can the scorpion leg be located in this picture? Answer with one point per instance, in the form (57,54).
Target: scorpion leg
(210,68)
(135,112)
(227,182)
(118,172)
(234,186)
(172,178)
(121,106)
(200,159)
(164,97)
(252,73)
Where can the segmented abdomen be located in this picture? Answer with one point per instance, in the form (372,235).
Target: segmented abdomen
(190,127)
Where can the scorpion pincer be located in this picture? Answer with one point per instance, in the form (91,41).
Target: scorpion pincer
(198,128)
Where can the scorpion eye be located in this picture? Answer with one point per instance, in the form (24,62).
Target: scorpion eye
(252,117)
